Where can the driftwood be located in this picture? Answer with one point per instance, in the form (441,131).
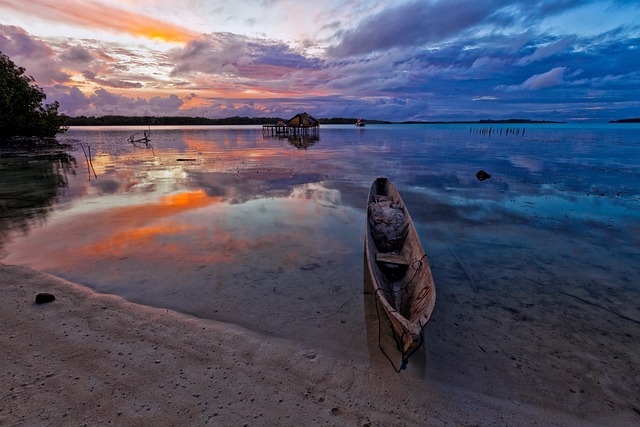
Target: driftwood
(145,137)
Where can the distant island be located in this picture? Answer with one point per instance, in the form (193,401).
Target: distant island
(165,121)
(634,120)
(185,120)
(236,120)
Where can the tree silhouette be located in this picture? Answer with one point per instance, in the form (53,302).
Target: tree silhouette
(21,110)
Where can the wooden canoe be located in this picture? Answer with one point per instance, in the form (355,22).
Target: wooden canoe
(399,270)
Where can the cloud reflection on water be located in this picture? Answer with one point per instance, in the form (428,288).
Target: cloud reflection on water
(223,223)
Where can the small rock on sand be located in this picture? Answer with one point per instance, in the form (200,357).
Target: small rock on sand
(44,297)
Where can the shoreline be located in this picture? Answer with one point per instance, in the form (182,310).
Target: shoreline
(99,359)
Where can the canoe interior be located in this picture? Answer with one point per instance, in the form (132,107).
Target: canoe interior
(401,278)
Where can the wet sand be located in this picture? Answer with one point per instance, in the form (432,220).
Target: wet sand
(96,359)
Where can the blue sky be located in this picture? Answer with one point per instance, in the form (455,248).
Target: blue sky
(403,60)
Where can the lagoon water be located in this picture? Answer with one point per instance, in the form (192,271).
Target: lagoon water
(536,268)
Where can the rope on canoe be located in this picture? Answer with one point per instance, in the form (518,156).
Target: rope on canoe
(380,335)
(405,356)
(415,269)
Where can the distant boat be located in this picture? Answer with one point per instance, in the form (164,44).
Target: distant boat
(398,266)
(360,122)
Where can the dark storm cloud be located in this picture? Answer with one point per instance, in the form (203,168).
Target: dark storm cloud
(412,24)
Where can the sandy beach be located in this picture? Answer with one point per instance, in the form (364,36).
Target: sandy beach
(94,359)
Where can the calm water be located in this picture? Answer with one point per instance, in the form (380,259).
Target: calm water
(223,223)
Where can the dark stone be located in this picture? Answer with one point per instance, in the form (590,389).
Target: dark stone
(43,298)
(482,175)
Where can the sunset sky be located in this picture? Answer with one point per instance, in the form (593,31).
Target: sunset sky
(403,60)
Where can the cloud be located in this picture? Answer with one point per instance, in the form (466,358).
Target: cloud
(120,84)
(14,41)
(547,50)
(32,54)
(215,55)
(553,77)
(102,102)
(237,66)
(76,55)
(418,60)
(72,101)
(486,64)
(412,24)
(100,16)
(165,104)
(241,56)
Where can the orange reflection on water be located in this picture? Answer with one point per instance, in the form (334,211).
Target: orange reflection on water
(120,243)
(155,231)
(233,147)
(149,230)
(248,147)
(167,206)
(135,221)
(190,200)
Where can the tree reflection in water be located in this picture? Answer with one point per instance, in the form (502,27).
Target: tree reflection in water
(31,178)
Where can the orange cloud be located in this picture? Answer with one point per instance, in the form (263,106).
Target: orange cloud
(101,16)
(194,102)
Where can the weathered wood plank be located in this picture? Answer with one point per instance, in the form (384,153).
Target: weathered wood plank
(391,258)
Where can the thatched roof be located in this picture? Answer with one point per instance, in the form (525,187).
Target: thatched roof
(303,120)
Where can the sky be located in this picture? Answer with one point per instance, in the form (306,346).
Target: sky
(431,60)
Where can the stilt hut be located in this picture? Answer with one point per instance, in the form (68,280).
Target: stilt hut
(303,124)
(300,125)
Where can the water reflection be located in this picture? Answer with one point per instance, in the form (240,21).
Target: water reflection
(31,181)
(303,142)
(223,223)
